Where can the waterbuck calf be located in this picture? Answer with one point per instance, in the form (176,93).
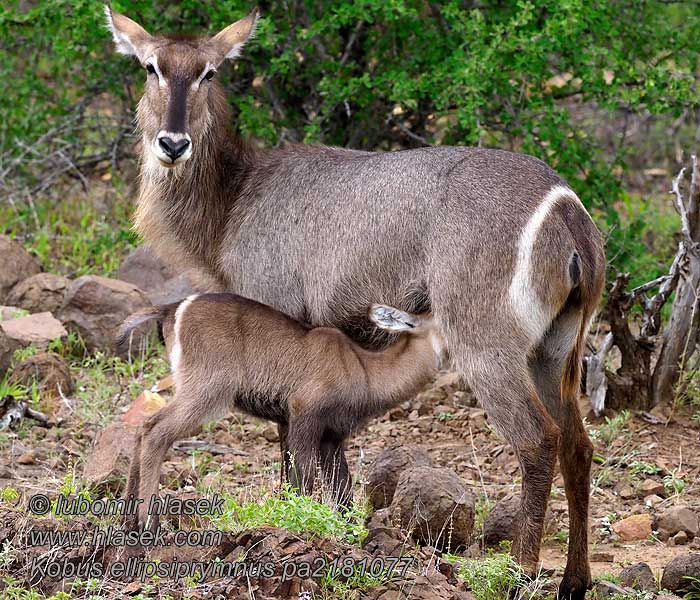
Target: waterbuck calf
(228,352)
(494,244)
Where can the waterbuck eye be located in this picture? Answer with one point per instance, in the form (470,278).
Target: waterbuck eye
(150,69)
(210,75)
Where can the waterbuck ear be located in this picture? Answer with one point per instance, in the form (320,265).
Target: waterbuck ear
(229,42)
(391,319)
(129,37)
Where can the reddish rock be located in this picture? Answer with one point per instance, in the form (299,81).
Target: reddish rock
(108,463)
(38,329)
(636,527)
(146,404)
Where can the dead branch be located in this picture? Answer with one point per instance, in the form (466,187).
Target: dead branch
(13,411)
(641,382)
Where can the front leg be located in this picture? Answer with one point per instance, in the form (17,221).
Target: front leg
(336,473)
(285,466)
(304,447)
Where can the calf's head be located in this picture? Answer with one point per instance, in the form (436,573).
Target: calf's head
(180,92)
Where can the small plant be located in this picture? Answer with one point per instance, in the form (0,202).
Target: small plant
(481,511)
(15,391)
(9,494)
(496,577)
(640,467)
(22,354)
(693,592)
(674,483)
(611,429)
(445,416)
(297,513)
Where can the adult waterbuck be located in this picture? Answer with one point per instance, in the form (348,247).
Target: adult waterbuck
(494,244)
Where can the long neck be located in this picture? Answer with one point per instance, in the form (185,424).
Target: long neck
(401,370)
(183,211)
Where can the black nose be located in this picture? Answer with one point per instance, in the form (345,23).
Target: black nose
(174,150)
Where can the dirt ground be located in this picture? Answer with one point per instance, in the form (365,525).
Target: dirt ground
(631,450)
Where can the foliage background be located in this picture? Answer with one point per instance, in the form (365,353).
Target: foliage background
(601,90)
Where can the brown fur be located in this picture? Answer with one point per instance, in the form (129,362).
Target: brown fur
(319,233)
(316,383)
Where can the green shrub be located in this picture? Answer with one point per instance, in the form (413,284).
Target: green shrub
(371,73)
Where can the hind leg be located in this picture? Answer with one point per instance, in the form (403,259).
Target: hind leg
(548,365)
(504,388)
(182,418)
(132,483)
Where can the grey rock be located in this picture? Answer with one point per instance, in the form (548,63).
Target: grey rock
(436,505)
(678,570)
(38,329)
(16,264)
(43,292)
(384,472)
(95,307)
(638,576)
(678,518)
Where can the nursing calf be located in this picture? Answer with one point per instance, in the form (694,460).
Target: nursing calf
(228,352)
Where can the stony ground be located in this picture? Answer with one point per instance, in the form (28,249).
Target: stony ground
(645,489)
(635,455)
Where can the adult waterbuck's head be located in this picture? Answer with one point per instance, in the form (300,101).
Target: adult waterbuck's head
(181,92)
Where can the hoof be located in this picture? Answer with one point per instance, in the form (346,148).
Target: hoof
(573,587)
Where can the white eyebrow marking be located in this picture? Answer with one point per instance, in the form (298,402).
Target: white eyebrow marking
(198,81)
(153,61)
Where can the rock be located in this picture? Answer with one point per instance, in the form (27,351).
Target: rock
(499,525)
(436,505)
(604,557)
(144,269)
(11,312)
(108,463)
(678,570)
(271,433)
(16,264)
(28,458)
(95,307)
(627,492)
(160,282)
(43,292)
(8,346)
(383,538)
(636,527)
(651,487)
(501,522)
(662,535)
(38,329)
(653,500)
(638,576)
(384,472)
(608,589)
(678,518)
(680,539)
(49,370)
